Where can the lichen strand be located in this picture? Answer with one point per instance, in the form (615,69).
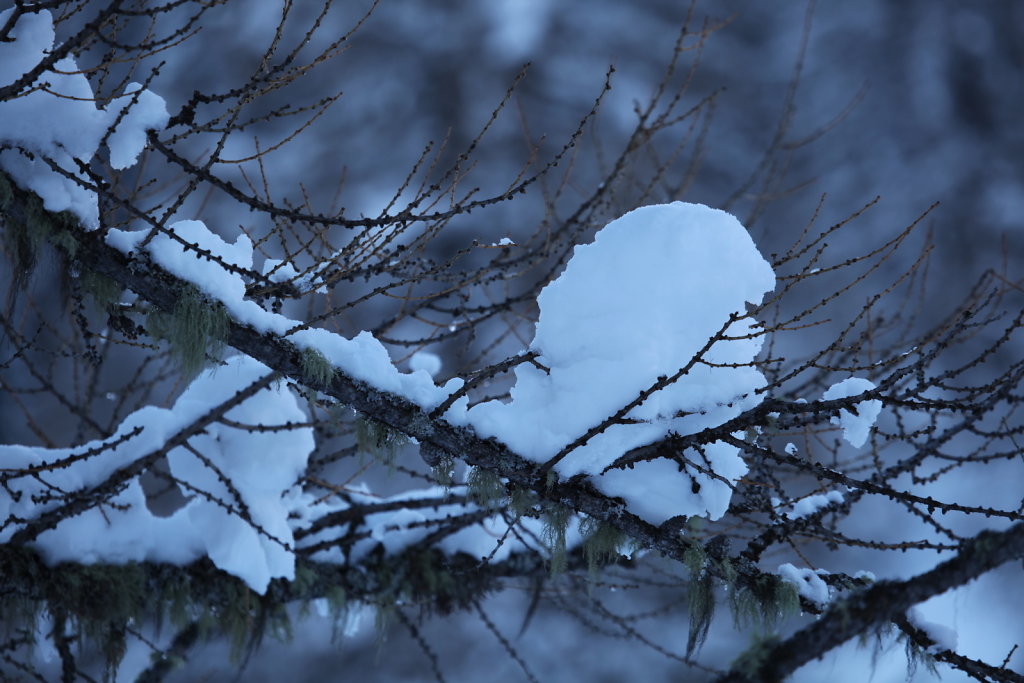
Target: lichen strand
(701,589)
(378,440)
(601,543)
(103,291)
(556,522)
(485,488)
(23,235)
(444,471)
(763,600)
(105,602)
(316,369)
(196,329)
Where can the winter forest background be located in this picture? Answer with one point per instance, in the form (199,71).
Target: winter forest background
(912,102)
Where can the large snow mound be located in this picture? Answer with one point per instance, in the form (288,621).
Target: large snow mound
(642,301)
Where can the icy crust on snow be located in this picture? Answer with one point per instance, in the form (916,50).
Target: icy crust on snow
(65,126)
(362,357)
(640,302)
(263,468)
(855,427)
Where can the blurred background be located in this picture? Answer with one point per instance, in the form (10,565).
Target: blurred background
(914,101)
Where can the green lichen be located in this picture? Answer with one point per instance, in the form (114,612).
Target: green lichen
(196,329)
(701,592)
(378,440)
(916,656)
(104,291)
(102,603)
(444,471)
(484,487)
(23,238)
(601,542)
(763,600)
(523,501)
(556,522)
(316,369)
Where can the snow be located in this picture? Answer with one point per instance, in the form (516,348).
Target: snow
(149,112)
(261,467)
(362,357)
(66,126)
(640,302)
(426,361)
(808,583)
(942,637)
(811,504)
(855,427)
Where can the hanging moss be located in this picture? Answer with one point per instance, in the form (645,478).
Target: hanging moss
(523,502)
(316,368)
(763,601)
(444,471)
(23,238)
(601,543)
(701,590)
(104,291)
(556,522)
(198,327)
(102,602)
(485,488)
(379,440)
(916,656)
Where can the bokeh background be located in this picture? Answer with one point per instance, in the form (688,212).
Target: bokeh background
(914,101)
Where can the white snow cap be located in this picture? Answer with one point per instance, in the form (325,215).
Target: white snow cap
(808,583)
(262,467)
(855,427)
(64,123)
(640,302)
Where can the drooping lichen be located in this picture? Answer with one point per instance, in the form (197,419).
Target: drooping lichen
(104,291)
(763,600)
(556,522)
(316,369)
(601,542)
(197,328)
(444,471)
(103,603)
(378,440)
(701,589)
(523,501)
(484,487)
